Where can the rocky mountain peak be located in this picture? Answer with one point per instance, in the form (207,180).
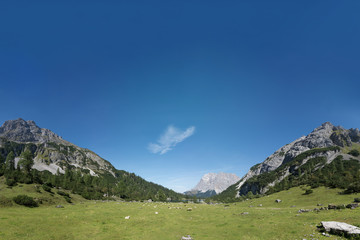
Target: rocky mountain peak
(326,135)
(23,131)
(217,182)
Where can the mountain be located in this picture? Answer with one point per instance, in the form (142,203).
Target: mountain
(29,154)
(303,161)
(51,152)
(212,184)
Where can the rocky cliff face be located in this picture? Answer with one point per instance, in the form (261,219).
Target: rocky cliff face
(28,132)
(326,135)
(51,152)
(213,183)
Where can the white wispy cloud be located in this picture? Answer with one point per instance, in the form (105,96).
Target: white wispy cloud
(169,139)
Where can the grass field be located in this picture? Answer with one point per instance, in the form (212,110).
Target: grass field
(106,220)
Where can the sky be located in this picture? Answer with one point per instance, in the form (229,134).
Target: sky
(172,90)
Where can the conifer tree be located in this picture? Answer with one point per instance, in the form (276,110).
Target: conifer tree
(26,160)
(10,162)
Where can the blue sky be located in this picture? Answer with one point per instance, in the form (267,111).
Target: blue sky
(172,90)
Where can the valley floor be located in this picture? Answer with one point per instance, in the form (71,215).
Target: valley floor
(263,219)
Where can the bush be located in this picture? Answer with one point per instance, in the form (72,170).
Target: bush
(354,153)
(68,199)
(46,188)
(308,191)
(341,206)
(357,200)
(63,193)
(25,200)
(10,182)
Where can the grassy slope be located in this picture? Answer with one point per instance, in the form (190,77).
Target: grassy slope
(105,220)
(6,194)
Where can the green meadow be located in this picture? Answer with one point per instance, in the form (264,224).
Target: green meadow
(106,220)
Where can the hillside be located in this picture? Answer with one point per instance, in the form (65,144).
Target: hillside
(30,154)
(49,197)
(328,156)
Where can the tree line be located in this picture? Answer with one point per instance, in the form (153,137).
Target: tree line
(125,185)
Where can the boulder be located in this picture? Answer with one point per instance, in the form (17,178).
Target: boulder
(340,228)
(331,206)
(127,217)
(304,210)
(278,200)
(59,206)
(352,205)
(188,237)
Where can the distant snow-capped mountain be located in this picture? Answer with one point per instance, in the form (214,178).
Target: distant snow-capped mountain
(212,184)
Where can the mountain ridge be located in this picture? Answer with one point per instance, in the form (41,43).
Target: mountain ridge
(331,142)
(31,154)
(213,183)
(23,131)
(52,151)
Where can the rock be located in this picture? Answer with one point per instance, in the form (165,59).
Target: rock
(59,206)
(352,205)
(127,217)
(260,205)
(189,209)
(319,204)
(156,213)
(340,228)
(331,206)
(304,210)
(188,237)
(244,213)
(293,206)
(341,139)
(278,201)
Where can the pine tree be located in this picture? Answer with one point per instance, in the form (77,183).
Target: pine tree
(26,160)
(10,162)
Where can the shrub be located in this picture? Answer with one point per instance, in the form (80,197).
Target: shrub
(354,153)
(25,200)
(341,206)
(356,199)
(308,191)
(10,182)
(46,188)
(63,193)
(68,199)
